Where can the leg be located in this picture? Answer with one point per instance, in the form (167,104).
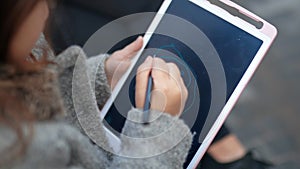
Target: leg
(227,149)
(227,152)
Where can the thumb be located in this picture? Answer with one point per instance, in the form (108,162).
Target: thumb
(131,49)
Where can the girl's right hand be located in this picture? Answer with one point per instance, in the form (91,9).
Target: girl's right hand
(169,92)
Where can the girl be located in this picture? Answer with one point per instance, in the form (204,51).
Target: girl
(38,123)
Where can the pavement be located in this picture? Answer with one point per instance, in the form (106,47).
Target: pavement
(266,117)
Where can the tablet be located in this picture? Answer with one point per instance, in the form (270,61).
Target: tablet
(217,46)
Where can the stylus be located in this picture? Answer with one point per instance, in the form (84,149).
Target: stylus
(148,99)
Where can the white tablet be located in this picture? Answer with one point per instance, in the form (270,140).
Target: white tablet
(217,45)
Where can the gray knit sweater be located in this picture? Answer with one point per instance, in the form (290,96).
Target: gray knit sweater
(78,140)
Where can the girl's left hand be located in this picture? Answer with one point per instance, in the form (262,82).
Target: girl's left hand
(117,64)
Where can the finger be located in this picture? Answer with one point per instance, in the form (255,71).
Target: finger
(130,50)
(160,69)
(142,76)
(118,73)
(184,92)
(174,72)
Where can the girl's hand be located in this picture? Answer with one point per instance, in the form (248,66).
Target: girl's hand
(169,92)
(117,64)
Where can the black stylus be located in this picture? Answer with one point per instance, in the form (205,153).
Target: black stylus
(148,99)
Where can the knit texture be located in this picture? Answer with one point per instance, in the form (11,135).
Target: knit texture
(69,144)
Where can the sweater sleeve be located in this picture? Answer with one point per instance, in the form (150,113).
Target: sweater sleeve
(79,94)
(83,152)
(95,71)
(164,143)
(97,76)
(91,70)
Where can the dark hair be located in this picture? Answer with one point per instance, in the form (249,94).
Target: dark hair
(13,12)
(13,112)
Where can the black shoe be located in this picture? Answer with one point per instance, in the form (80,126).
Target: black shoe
(247,162)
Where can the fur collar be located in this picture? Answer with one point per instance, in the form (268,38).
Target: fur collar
(37,90)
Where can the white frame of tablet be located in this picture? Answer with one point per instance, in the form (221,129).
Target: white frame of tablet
(267,34)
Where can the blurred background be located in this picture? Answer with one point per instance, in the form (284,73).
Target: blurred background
(266,117)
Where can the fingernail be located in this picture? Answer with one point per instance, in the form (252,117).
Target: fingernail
(148,59)
(139,37)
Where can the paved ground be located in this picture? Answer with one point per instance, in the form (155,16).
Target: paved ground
(267,116)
